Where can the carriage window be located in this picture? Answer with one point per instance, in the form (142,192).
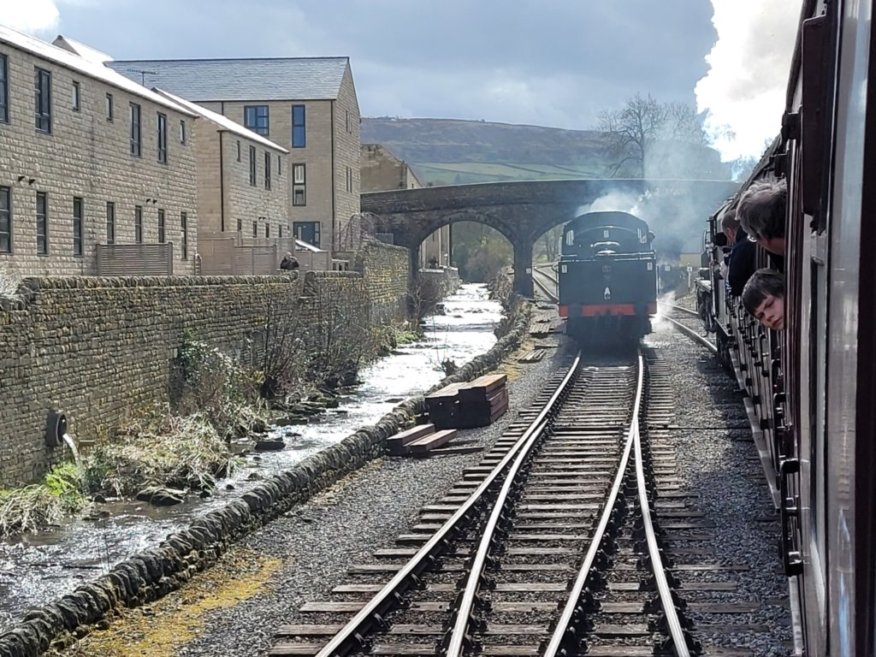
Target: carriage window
(570,238)
(606,233)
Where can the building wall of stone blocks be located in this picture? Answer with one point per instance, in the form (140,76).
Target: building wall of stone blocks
(101,349)
(316,156)
(347,169)
(383,171)
(247,205)
(88,156)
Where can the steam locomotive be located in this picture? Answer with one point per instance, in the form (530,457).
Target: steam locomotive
(810,386)
(607,278)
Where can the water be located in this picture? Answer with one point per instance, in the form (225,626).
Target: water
(37,568)
(68,439)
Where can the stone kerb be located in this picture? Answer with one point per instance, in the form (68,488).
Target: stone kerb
(153,573)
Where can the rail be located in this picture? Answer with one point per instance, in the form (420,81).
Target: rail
(348,638)
(564,632)
(679,640)
(693,335)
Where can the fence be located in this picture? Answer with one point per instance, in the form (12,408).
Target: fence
(134,259)
(223,257)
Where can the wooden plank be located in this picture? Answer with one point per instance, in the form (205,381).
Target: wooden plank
(296,649)
(396,443)
(480,388)
(430,442)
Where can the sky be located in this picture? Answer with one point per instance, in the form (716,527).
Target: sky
(556,63)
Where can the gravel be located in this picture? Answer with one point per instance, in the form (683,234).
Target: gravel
(311,547)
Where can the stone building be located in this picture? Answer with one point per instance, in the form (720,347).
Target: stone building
(307,105)
(242,193)
(383,171)
(97,173)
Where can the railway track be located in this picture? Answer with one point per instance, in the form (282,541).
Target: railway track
(692,318)
(554,544)
(545,283)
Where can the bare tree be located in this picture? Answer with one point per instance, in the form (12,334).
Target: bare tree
(631,131)
(664,139)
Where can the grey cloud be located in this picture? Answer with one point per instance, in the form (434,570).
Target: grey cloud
(572,58)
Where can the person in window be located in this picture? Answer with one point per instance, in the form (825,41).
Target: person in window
(761,211)
(289,262)
(764,298)
(740,260)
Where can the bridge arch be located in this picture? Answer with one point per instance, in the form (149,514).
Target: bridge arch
(522,211)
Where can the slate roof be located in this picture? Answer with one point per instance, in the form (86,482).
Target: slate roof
(203,80)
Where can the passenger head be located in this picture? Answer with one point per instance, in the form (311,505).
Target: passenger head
(730,226)
(288,254)
(764,298)
(761,211)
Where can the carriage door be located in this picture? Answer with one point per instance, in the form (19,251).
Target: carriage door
(811,214)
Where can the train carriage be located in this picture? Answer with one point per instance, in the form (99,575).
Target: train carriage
(607,277)
(810,386)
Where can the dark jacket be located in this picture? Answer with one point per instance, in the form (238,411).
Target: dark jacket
(741,263)
(289,263)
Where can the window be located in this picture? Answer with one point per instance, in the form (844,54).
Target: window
(268,230)
(110,222)
(280,230)
(240,225)
(306,231)
(136,142)
(138,224)
(42,223)
(78,207)
(252,166)
(347,120)
(349,179)
(161,227)
(4,90)
(5,220)
(182,131)
(255,118)
(299,139)
(162,138)
(299,185)
(279,166)
(43,100)
(238,150)
(109,107)
(255,228)
(267,170)
(76,100)
(184,228)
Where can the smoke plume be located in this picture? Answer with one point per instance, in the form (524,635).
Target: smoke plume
(743,93)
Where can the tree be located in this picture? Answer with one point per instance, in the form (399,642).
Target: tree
(631,131)
(649,139)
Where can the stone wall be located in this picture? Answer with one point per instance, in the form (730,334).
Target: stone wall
(100,349)
(386,270)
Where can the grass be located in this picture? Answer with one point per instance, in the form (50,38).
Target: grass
(44,504)
(159,450)
(440,173)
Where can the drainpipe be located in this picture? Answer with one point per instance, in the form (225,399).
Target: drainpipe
(221,182)
(334,188)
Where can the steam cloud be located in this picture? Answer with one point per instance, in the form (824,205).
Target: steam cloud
(744,91)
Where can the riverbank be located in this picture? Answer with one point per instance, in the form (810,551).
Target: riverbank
(134,581)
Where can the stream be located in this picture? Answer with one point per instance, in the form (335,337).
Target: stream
(38,568)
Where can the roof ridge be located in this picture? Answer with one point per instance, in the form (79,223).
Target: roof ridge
(231,59)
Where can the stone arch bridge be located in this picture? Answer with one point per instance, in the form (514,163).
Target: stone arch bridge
(523,211)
